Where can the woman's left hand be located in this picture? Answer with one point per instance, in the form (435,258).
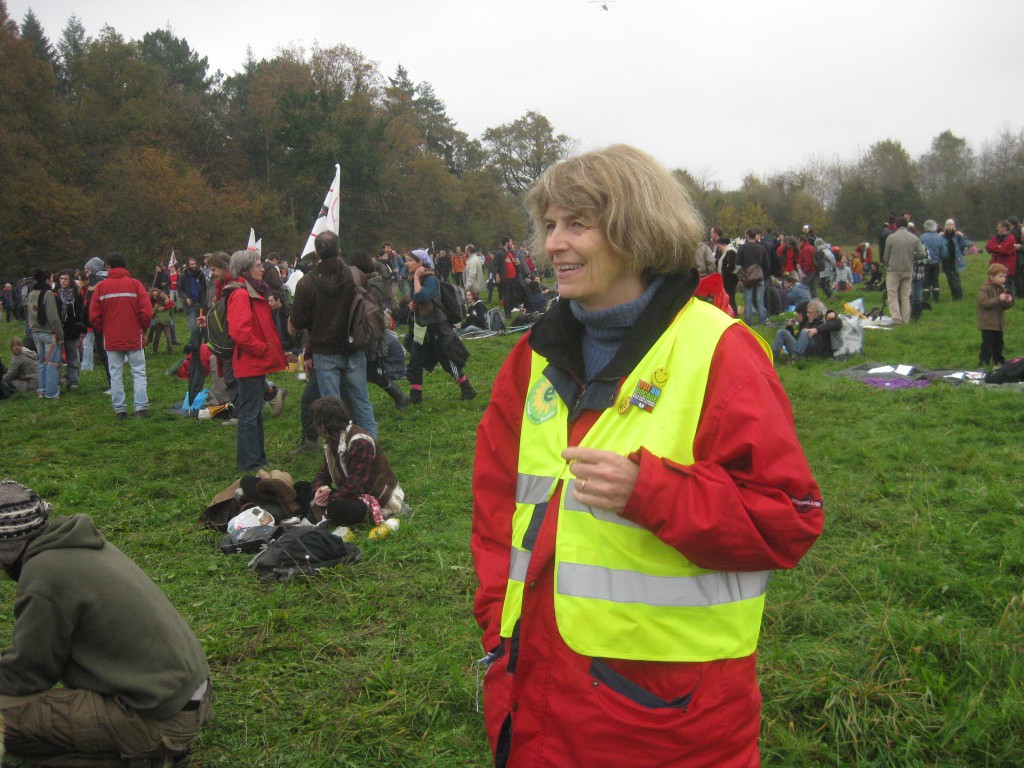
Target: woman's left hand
(603,478)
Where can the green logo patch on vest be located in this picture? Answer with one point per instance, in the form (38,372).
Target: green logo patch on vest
(542,402)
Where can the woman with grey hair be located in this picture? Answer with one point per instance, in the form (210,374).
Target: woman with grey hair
(637,476)
(257,353)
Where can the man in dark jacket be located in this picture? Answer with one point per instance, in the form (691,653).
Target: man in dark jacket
(135,683)
(71,307)
(121,310)
(751,255)
(323,300)
(192,290)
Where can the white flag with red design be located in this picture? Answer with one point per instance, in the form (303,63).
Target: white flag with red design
(328,217)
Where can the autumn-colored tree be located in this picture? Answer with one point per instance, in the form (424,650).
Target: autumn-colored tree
(41,213)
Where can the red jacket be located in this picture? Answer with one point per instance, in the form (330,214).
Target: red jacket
(789,258)
(748,503)
(121,310)
(258,349)
(806,259)
(1003,252)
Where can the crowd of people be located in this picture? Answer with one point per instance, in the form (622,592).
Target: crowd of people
(623,531)
(774,272)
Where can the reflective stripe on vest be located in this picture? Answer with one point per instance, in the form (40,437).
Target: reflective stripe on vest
(621,592)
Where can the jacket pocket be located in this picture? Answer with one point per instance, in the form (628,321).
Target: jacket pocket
(601,672)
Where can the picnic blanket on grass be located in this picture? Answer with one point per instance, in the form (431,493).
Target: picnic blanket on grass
(906,376)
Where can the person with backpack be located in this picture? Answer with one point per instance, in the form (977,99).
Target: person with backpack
(825,263)
(431,338)
(257,352)
(322,306)
(376,357)
(754,271)
(47,333)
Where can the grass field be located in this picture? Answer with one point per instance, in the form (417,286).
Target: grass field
(898,641)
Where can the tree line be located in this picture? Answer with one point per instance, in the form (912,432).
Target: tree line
(849,201)
(108,144)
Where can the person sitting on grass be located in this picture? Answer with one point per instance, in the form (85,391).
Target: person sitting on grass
(101,669)
(844,275)
(810,335)
(355,482)
(22,375)
(993,301)
(796,291)
(476,319)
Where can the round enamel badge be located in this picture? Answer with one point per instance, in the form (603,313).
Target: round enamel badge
(541,403)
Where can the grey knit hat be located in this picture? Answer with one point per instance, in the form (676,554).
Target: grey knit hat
(95,264)
(23,516)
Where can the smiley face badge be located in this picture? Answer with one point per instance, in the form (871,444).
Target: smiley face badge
(645,395)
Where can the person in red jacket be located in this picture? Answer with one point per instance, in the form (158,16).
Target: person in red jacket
(121,311)
(788,251)
(1003,250)
(637,476)
(809,270)
(257,352)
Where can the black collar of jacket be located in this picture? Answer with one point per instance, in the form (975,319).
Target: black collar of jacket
(557,337)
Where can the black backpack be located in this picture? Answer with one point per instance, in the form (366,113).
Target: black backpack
(1007,373)
(819,260)
(302,551)
(452,303)
(217,337)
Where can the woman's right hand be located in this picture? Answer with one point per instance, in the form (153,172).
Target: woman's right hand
(321,496)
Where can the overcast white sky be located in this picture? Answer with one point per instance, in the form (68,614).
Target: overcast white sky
(722,88)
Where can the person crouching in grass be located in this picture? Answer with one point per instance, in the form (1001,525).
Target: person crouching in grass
(993,301)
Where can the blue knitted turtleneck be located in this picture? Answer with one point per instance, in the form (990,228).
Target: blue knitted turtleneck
(604,330)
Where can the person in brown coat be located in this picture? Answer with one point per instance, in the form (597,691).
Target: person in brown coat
(993,301)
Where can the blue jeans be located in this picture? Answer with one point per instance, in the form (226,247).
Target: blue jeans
(49,364)
(136,359)
(794,345)
(73,361)
(753,299)
(192,313)
(329,372)
(249,453)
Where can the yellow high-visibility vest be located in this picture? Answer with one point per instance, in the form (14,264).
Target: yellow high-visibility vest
(620,592)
